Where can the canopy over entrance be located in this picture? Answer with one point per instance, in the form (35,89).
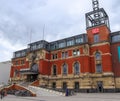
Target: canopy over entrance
(31,73)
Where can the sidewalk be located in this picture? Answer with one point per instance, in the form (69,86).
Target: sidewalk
(78,97)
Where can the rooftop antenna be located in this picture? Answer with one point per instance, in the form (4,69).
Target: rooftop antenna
(43,31)
(31,35)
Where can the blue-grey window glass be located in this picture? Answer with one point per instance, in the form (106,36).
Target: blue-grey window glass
(33,47)
(116,38)
(96,38)
(70,42)
(65,69)
(76,68)
(62,44)
(52,46)
(40,45)
(18,54)
(98,56)
(54,70)
(64,54)
(79,40)
(23,53)
(98,68)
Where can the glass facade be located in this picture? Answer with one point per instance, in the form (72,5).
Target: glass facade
(116,38)
(70,42)
(62,44)
(21,53)
(79,40)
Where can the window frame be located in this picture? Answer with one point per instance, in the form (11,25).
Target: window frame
(76,70)
(96,37)
(64,66)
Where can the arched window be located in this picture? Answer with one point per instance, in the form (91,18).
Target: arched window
(98,56)
(76,68)
(64,69)
(54,70)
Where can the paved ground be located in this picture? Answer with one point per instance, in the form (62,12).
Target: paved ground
(78,97)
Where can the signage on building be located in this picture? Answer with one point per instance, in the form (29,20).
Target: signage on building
(95,30)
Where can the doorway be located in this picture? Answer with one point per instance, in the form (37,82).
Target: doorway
(76,86)
(64,85)
(54,85)
(99,86)
(32,77)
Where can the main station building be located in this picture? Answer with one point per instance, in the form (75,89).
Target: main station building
(88,62)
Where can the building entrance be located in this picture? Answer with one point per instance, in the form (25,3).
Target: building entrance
(99,86)
(76,86)
(54,85)
(32,77)
(64,85)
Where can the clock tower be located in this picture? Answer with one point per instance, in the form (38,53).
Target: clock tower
(97,24)
(98,32)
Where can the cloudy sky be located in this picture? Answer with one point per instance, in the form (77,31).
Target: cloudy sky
(62,18)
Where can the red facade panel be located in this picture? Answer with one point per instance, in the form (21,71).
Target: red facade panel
(103,33)
(115,60)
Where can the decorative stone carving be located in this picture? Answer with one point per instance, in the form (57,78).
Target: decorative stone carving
(86,49)
(42,54)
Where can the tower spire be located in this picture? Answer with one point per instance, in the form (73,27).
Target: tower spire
(95,4)
(96,17)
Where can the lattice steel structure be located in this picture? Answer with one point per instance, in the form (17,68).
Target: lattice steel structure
(96,17)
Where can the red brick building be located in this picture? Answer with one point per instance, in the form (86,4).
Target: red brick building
(85,62)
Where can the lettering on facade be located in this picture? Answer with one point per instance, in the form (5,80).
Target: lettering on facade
(95,30)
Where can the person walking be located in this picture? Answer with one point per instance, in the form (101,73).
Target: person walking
(1,93)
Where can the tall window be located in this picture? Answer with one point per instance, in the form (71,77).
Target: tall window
(98,62)
(64,69)
(96,38)
(98,68)
(76,68)
(22,62)
(54,70)
(54,56)
(64,54)
(16,63)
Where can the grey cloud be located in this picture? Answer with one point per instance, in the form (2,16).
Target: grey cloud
(62,18)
